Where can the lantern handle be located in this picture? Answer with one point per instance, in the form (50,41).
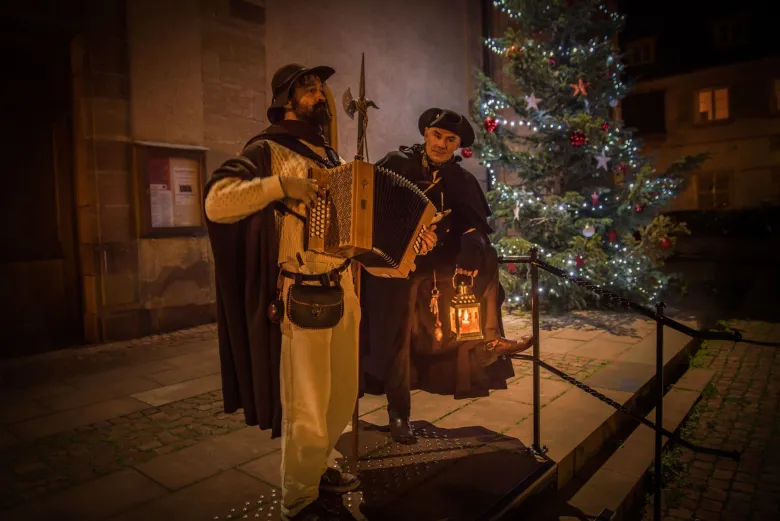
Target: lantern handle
(455,276)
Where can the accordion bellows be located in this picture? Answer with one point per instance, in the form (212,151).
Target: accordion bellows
(370,214)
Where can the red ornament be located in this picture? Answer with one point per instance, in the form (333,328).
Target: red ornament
(605,126)
(578,138)
(639,208)
(467,152)
(621,167)
(665,243)
(552,61)
(511,267)
(594,197)
(612,235)
(490,124)
(580,261)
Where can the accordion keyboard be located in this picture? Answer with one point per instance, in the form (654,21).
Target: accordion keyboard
(319,216)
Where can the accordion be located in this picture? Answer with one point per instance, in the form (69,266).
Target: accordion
(371,215)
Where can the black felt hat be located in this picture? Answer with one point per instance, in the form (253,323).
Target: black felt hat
(447,120)
(282,83)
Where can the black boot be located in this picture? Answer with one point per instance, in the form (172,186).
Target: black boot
(401,430)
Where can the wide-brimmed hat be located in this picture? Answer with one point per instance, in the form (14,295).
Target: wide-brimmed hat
(282,82)
(447,120)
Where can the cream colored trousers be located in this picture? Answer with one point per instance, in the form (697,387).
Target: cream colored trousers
(319,380)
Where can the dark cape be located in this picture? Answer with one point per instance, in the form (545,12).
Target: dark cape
(245,260)
(394,307)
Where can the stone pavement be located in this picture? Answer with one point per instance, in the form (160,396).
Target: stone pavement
(741,411)
(136,430)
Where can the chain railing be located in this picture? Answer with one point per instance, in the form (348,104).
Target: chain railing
(661,321)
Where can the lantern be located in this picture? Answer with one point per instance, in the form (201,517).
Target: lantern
(465,313)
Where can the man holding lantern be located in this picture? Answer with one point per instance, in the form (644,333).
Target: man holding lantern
(441,329)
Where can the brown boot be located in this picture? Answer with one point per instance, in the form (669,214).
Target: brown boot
(337,482)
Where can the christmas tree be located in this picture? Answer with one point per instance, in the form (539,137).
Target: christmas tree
(577,188)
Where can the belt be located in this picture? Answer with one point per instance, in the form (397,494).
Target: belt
(325,278)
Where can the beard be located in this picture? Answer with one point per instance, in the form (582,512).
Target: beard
(319,115)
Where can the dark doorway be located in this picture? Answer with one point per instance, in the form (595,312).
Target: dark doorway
(39,272)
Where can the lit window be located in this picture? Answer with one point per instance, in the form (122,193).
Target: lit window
(640,52)
(714,190)
(713,104)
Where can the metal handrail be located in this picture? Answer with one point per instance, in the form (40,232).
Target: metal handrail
(661,320)
(734,336)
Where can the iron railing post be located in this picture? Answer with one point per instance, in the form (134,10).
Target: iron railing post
(535,331)
(659,408)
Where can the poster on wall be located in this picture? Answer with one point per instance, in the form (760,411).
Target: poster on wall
(160,194)
(174,194)
(186,194)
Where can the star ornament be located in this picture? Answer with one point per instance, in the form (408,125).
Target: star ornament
(532,102)
(602,161)
(579,88)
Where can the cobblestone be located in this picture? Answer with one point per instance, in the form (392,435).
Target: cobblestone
(69,458)
(741,414)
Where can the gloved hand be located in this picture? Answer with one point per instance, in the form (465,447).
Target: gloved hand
(304,190)
(472,253)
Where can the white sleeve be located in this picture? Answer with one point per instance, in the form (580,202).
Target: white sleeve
(232,198)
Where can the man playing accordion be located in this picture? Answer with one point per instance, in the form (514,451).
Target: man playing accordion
(298,379)
(406,339)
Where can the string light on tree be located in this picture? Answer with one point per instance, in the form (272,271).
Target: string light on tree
(562,201)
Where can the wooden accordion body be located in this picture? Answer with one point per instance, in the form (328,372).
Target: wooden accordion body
(371,215)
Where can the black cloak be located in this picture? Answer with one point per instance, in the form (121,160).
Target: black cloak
(400,300)
(245,260)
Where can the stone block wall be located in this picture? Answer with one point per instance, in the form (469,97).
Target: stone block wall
(182,73)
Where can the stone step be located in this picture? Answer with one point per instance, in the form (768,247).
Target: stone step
(619,482)
(577,427)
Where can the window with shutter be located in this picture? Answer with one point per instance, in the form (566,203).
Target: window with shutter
(713,104)
(713,190)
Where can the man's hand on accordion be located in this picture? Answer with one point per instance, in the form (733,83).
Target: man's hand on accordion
(426,240)
(304,190)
